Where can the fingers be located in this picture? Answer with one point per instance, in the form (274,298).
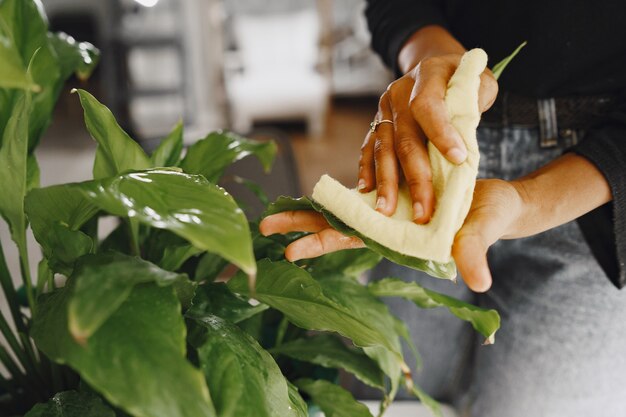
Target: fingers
(470,254)
(293,221)
(488,90)
(429,109)
(412,154)
(321,243)
(367,173)
(385,162)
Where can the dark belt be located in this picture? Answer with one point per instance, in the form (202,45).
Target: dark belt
(557,118)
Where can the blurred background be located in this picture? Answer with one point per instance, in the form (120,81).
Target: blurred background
(299,71)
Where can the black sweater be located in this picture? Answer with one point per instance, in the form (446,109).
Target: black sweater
(574,47)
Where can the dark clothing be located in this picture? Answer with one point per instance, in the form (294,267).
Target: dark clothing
(574,48)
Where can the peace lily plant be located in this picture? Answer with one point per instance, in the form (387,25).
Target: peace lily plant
(141,327)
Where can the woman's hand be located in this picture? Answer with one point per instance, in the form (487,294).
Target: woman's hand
(495,212)
(415,104)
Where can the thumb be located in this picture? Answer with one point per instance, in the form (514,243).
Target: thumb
(470,254)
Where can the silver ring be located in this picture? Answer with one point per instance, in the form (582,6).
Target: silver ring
(375,124)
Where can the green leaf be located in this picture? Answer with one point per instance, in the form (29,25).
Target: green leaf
(285,203)
(500,66)
(72,404)
(136,359)
(167,154)
(32,172)
(243,378)
(297,403)
(292,291)
(209,267)
(103,282)
(362,304)
(13,170)
(213,154)
(486,322)
(435,269)
(349,262)
(168,250)
(56,214)
(330,352)
(332,399)
(116,152)
(13,72)
(80,58)
(447,271)
(187,205)
(427,400)
(26,25)
(215,299)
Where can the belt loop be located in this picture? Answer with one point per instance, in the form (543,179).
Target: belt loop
(548,129)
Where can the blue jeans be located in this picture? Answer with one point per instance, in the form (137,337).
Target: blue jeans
(561,350)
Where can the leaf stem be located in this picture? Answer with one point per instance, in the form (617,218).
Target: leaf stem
(14,344)
(29,385)
(282,330)
(133,234)
(9,292)
(25,269)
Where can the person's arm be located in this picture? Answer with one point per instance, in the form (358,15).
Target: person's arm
(605,228)
(393,22)
(561,191)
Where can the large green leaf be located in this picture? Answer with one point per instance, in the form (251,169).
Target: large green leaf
(215,299)
(136,359)
(292,291)
(447,270)
(332,399)
(329,351)
(72,404)
(243,378)
(116,152)
(362,304)
(26,23)
(187,205)
(213,154)
(56,215)
(103,282)
(167,154)
(13,171)
(13,72)
(484,321)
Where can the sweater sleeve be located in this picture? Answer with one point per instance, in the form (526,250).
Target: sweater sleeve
(605,227)
(392,22)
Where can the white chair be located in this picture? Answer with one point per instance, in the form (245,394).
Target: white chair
(278,80)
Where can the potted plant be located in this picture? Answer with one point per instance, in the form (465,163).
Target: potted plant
(137,323)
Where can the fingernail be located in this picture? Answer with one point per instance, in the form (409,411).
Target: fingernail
(457,155)
(418,211)
(381,203)
(361,184)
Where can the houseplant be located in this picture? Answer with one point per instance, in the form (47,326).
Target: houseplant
(141,326)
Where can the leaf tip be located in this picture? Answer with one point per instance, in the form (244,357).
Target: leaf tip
(490,340)
(74,91)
